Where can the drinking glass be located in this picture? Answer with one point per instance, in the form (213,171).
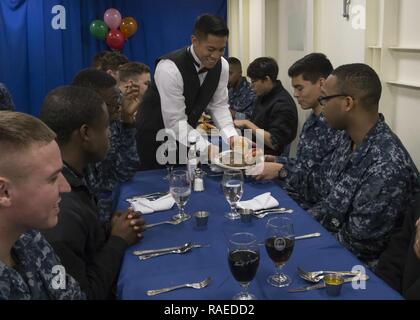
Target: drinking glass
(233,188)
(279,243)
(180,188)
(243,258)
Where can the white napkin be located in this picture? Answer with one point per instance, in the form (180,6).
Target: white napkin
(146,206)
(263,201)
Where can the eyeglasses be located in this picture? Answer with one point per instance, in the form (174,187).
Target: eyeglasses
(323,100)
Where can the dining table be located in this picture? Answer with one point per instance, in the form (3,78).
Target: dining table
(211,260)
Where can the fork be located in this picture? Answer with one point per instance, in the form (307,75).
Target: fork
(181,250)
(195,285)
(152,251)
(316,276)
(173,222)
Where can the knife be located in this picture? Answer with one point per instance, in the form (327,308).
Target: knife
(307,236)
(152,251)
(150,195)
(181,250)
(307,288)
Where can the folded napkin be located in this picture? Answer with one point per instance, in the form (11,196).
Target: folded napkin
(146,206)
(263,201)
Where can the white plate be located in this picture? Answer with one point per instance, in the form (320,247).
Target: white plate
(226,166)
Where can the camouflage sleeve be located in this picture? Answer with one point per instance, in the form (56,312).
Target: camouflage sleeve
(102,175)
(128,160)
(73,290)
(304,184)
(248,105)
(365,220)
(377,206)
(245,104)
(4,289)
(241,116)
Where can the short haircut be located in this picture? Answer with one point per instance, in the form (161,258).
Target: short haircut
(312,67)
(234,61)
(361,82)
(132,69)
(97,59)
(66,109)
(94,79)
(112,60)
(263,67)
(210,24)
(6,101)
(19,131)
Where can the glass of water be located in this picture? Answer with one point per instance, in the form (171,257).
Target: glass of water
(233,188)
(180,188)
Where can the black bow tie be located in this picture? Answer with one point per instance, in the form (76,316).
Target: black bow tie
(202,70)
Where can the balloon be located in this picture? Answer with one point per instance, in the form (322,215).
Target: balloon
(99,29)
(128,27)
(115,40)
(112,18)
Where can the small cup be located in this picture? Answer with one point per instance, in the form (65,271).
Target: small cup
(201,219)
(333,282)
(246,215)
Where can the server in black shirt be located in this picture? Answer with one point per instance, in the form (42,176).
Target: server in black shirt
(274,111)
(187,82)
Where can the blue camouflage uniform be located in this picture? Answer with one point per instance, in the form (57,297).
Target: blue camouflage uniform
(316,142)
(33,277)
(121,163)
(242,100)
(6,101)
(366,192)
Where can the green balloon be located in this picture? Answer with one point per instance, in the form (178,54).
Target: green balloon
(99,29)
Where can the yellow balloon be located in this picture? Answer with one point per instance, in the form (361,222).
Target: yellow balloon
(128,27)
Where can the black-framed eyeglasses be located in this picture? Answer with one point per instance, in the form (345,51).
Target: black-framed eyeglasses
(323,100)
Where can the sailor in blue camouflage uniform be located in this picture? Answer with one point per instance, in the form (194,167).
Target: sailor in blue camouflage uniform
(31,185)
(241,96)
(316,141)
(369,181)
(120,164)
(33,277)
(6,101)
(122,160)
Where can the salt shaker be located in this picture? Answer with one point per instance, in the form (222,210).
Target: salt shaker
(198,180)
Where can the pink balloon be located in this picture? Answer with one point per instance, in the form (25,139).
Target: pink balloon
(112,18)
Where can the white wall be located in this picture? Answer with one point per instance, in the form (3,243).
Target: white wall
(335,35)
(407,120)
(290,11)
(407,101)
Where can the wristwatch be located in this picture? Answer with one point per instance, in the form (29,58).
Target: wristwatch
(282,173)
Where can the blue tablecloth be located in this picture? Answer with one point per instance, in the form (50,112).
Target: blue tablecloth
(323,253)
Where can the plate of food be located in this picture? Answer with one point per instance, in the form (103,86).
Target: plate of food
(234,160)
